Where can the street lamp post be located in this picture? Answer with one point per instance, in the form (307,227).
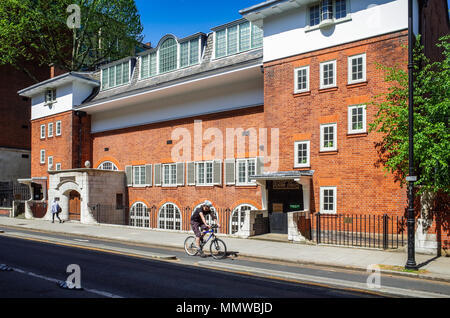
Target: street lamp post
(411,179)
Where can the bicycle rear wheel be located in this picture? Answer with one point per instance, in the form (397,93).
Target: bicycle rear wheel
(190,246)
(218,249)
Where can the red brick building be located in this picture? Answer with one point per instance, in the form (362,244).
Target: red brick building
(269,114)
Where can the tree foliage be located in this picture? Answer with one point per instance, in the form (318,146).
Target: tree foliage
(431,120)
(37,31)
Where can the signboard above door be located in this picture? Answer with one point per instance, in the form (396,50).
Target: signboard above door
(285,185)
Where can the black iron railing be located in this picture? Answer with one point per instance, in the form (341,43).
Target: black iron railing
(368,231)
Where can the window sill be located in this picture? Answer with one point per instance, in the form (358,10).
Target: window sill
(357,134)
(320,26)
(328,152)
(301,94)
(357,84)
(328,89)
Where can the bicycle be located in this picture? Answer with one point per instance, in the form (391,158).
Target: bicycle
(217,247)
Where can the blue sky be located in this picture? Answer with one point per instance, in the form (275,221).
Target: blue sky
(186,17)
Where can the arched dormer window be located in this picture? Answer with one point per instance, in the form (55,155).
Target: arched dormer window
(168,55)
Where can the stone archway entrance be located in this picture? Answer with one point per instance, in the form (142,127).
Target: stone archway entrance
(74,206)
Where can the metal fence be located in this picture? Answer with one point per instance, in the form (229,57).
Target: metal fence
(10,192)
(368,231)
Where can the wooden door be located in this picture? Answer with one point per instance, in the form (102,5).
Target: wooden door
(74,206)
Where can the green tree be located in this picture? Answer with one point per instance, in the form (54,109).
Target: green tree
(431,126)
(37,31)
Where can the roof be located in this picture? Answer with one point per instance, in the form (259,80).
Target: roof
(58,81)
(284,175)
(271,7)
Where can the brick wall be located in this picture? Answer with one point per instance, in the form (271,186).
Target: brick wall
(148,145)
(15,112)
(362,188)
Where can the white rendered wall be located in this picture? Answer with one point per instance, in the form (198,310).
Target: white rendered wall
(81,91)
(212,100)
(64,102)
(285,34)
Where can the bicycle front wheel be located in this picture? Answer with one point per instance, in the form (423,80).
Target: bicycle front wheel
(218,249)
(190,246)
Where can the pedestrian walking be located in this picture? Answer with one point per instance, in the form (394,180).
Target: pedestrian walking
(56,210)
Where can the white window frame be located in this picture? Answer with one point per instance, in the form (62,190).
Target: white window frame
(165,219)
(322,200)
(50,130)
(137,183)
(246,183)
(143,219)
(170,184)
(322,66)
(49,162)
(308,163)
(296,89)
(197,174)
(58,130)
(42,157)
(350,69)
(350,120)
(325,23)
(240,217)
(115,76)
(322,137)
(43,131)
(52,99)
(113,166)
(58,167)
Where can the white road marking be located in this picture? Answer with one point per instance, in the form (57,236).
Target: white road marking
(54,280)
(80,240)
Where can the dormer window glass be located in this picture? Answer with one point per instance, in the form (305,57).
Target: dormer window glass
(237,38)
(50,96)
(168,55)
(327,10)
(116,75)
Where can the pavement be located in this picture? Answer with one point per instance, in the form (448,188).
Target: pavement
(432,268)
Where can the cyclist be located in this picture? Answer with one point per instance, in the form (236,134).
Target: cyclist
(198,223)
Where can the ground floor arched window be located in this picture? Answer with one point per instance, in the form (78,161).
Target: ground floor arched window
(139,216)
(108,165)
(238,217)
(169,217)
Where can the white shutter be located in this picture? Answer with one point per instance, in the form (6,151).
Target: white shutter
(217,172)
(191,173)
(157,175)
(180,174)
(129,175)
(230,172)
(148,175)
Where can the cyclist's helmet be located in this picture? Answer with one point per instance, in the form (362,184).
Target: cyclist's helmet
(208,204)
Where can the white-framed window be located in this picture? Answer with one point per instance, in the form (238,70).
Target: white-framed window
(245,170)
(301,79)
(328,200)
(50,163)
(168,56)
(50,129)
(237,38)
(205,173)
(169,217)
(149,65)
(58,128)
(328,10)
(139,216)
(116,75)
(58,167)
(357,69)
(328,74)
(169,178)
(42,157)
(238,217)
(108,165)
(139,176)
(328,137)
(357,119)
(43,128)
(302,154)
(50,96)
(189,52)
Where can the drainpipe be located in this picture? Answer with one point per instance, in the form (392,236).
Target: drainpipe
(80,116)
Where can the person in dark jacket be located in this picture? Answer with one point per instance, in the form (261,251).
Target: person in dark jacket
(198,223)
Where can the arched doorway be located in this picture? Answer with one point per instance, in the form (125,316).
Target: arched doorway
(74,206)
